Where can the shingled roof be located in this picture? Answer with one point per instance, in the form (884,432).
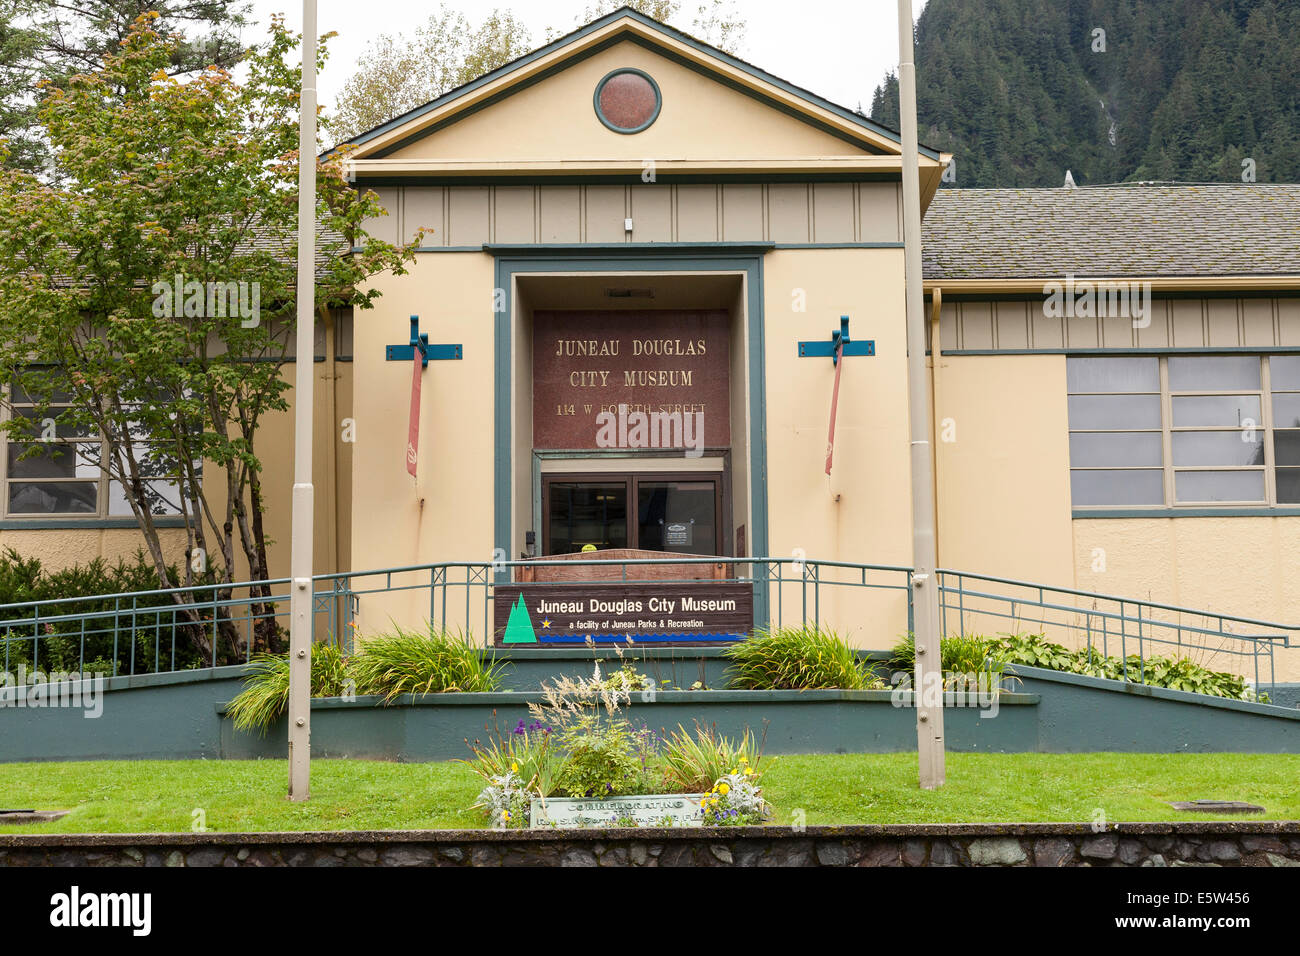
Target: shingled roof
(1124,230)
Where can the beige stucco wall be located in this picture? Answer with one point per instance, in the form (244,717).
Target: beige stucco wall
(447,514)
(1003,467)
(1005,511)
(57,549)
(1244,566)
(862,512)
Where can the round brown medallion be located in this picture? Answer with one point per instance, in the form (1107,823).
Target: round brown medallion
(627,101)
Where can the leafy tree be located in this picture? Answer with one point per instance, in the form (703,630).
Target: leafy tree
(716,22)
(48,41)
(158,177)
(396,75)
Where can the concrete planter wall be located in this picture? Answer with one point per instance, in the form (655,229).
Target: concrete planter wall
(181,716)
(436,726)
(985,844)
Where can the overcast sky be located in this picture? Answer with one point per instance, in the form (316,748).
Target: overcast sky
(835,48)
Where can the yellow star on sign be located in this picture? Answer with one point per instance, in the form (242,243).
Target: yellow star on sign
(546,623)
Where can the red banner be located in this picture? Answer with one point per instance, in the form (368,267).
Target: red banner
(835,401)
(413,429)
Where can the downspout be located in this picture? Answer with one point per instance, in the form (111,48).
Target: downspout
(331,511)
(936,305)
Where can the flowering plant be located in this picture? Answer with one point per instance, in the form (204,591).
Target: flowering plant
(735,800)
(506,801)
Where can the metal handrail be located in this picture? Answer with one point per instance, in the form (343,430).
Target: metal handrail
(337,597)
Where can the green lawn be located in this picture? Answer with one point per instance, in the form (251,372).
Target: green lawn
(161,796)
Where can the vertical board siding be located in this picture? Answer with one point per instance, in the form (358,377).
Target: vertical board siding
(1200,323)
(459,216)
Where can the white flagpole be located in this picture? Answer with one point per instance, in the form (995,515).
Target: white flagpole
(300,602)
(925,585)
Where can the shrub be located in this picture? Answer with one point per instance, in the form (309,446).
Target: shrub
(407,662)
(60,648)
(599,758)
(266,691)
(693,764)
(803,658)
(1175,673)
(515,767)
(960,654)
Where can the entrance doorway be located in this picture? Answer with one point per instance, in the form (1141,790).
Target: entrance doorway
(674,513)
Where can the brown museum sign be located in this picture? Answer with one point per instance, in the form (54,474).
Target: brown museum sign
(631,380)
(651,612)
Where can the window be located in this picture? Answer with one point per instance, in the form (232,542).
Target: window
(650,512)
(1184,430)
(54,469)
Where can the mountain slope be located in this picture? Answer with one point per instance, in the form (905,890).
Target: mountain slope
(1021,90)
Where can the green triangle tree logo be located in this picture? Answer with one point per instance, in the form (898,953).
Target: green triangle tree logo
(519,628)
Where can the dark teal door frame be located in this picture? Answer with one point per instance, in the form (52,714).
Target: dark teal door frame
(746,258)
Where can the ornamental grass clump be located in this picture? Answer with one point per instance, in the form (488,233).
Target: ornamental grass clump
(266,691)
(798,658)
(432,662)
(693,764)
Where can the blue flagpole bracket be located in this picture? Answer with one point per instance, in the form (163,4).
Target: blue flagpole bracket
(826,349)
(420,340)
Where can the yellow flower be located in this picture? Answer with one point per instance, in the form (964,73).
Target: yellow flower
(514,768)
(723,788)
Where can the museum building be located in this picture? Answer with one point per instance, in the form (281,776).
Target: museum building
(649,275)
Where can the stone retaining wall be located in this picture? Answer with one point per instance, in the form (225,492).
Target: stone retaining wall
(1046,844)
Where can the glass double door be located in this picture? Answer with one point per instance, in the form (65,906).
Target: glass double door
(672,513)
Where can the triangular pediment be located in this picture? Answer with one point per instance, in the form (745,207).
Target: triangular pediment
(713,111)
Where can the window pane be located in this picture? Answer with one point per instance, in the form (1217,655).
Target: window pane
(1194,411)
(1112,374)
(161,498)
(677,516)
(1088,488)
(1286,411)
(1114,411)
(1288,486)
(1213,373)
(48,426)
(155,459)
(1219,485)
(587,513)
(54,461)
(1286,448)
(52,498)
(56,395)
(1218,448)
(1115,448)
(1284,371)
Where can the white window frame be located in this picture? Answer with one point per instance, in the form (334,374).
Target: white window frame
(1170,471)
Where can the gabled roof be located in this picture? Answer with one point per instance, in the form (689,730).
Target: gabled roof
(862,134)
(1127,230)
